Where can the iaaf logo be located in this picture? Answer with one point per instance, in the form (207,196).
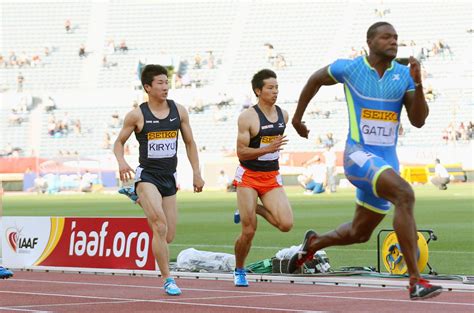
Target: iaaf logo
(97,243)
(17,242)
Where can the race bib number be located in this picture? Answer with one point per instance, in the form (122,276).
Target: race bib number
(378,127)
(162,144)
(265,141)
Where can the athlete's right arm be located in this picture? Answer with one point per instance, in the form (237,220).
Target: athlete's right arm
(129,124)
(319,78)
(244,152)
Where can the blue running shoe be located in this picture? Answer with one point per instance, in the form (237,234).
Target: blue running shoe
(5,273)
(129,192)
(236,216)
(240,279)
(171,288)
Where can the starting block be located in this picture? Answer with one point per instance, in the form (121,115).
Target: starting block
(392,256)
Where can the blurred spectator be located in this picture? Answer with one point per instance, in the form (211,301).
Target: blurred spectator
(12,59)
(77,127)
(106,63)
(197,60)
(35,60)
(319,142)
(280,62)
(51,125)
(401,130)
(354,53)
(82,51)
(111,46)
(115,121)
(50,105)
(441,176)
(381,10)
(47,51)
(329,141)
(123,46)
(314,178)
(430,95)
(14,118)
(470,130)
(330,161)
(247,102)
(270,53)
(20,79)
(127,149)
(67,26)
(210,60)
(225,182)
(87,180)
(40,185)
(107,141)
(463,132)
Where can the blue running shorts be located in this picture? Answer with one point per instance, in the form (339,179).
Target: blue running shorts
(362,169)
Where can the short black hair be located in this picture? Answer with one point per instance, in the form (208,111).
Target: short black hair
(259,77)
(373,29)
(150,71)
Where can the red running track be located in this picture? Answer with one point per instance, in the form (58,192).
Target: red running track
(61,292)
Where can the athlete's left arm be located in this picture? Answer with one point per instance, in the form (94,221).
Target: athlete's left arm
(191,149)
(415,103)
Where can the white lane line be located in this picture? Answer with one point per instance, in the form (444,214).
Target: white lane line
(388,300)
(159,301)
(138,286)
(6,308)
(268,294)
(279,248)
(279,294)
(386,289)
(72,304)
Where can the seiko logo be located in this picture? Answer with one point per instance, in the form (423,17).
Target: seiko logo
(267,126)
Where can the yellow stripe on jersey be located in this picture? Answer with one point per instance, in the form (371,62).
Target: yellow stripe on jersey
(267,139)
(379,115)
(165,134)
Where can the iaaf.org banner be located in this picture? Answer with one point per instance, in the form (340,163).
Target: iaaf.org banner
(113,243)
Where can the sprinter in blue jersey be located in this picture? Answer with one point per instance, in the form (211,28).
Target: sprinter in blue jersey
(376,88)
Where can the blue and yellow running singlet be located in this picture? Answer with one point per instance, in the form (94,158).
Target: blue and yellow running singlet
(374,104)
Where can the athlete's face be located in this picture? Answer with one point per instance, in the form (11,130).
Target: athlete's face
(385,42)
(269,91)
(158,88)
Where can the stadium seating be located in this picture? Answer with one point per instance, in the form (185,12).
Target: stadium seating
(308,34)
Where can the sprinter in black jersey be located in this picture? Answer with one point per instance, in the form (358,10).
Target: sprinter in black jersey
(157,124)
(259,141)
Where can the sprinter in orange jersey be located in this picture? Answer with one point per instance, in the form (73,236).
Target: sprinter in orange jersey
(259,141)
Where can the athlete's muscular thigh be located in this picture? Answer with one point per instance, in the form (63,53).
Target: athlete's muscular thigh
(392,187)
(247,204)
(276,202)
(151,202)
